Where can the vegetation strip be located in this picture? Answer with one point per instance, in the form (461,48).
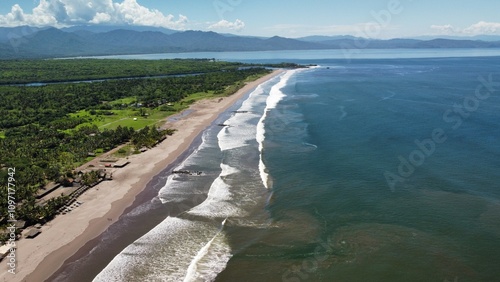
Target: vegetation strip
(48,131)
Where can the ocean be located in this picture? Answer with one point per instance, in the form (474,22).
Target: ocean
(370,169)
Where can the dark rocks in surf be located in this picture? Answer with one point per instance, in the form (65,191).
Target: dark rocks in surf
(187,172)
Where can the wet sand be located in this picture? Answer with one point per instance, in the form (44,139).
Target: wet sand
(61,238)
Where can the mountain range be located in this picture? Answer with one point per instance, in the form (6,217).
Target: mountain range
(49,42)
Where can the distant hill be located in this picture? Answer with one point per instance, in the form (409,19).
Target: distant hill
(449,43)
(49,42)
(281,43)
(107,28)
(490,38)
(8,34)
(28,42)
(322,38)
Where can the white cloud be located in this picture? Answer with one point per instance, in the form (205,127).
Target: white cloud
(483,28)
(100,18)
(480,28)
(224,24)
(129,11)
(70,12)
(16,14)
(444,29)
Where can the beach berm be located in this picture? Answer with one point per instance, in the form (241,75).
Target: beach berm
(39,258)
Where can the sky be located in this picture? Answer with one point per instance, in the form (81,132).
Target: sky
(287,18)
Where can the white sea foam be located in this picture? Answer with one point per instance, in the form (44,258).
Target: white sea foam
(218,202)
(144,207)
(388,97)
(310,145)
(204,141)
(306,96)
(179,249)
(176,188)
(194,273)
(121,267)
(275,96)
(167,252)
(174,191)
(228,170)
(239,130)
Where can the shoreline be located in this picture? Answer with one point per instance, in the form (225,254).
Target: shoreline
(41,257)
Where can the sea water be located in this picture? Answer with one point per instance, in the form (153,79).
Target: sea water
(360,170)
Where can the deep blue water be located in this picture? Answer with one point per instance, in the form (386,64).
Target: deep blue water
(330,144)
(361,170)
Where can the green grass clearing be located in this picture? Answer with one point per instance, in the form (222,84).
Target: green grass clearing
(126,101)
(131,117)
(127,117)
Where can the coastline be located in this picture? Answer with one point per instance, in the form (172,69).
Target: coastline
(61,238)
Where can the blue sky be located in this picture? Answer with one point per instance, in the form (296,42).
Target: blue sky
(290,18)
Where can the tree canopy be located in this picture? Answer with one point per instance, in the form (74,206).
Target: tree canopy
(44,139)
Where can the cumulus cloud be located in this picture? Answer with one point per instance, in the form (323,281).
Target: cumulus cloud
(224,24)
(71,12)
(480,28)
(444,29)
(483,28)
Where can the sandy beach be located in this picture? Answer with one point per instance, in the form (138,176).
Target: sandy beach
(39,258)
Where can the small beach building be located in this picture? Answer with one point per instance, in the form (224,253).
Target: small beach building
(20,224)
(4,251)
(33,233)
(47,189)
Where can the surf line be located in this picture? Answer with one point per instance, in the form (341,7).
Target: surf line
(275,96)
(191,274)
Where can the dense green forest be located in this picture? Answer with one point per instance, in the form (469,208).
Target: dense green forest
(47,131)
(55,70)
(51,104)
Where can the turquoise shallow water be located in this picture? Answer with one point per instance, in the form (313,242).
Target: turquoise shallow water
(362,170)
